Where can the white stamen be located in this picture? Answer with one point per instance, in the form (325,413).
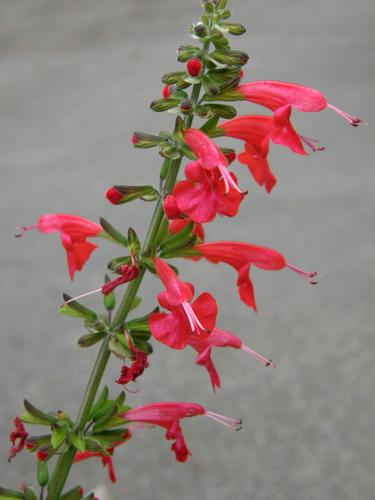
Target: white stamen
(228,180)
(257,356)
(83,295)
(233,423)
(195,324)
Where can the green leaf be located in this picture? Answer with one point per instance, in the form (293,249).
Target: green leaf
(185,52)
(77,310)
(90,339)
(177,238)
(136,302)
(210,124)
(29,493)
(58,436)
(40,415)
(72,494)
(77,440)
(173,77)
(92,444)
(108,438)
(6,494)
(176,249)
(112,233)
(114,264)
(36,442)
(223,111)
(103,397)
(228,95)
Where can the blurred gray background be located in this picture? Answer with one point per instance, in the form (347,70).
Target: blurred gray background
(76,79)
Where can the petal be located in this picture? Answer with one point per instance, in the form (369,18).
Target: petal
(204,359)
(284,133)
(245,287)
(273,94)
(208,153)
(205,308)
(228,203)
(176,290)
(171,329)
(258,167)
(196,201)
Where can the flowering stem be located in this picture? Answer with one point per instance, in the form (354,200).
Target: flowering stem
(65,461)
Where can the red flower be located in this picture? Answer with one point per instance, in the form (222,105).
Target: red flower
(166,92)
(127,273)
(220,338)
(106,459)
(168,416)
(185,319)
(257,131)
(132,372)
(17,438)
(177,220)
(241,256)
(206,193)
(74,231)
(273,95)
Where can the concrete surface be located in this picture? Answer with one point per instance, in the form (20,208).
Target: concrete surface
(76,79)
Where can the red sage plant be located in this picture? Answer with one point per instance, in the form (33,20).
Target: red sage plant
(211,77)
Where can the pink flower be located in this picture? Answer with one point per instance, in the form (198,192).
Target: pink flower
(273,95)
(17,438)
(220,338)
(206,193)
(241,256)
(185,318)
(74,231)
(168,416)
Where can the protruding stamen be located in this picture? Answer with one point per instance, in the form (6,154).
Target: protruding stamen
(233,423)
(24,230)
(83,295)
(228,180)
(310,277)
(311,143)
(195,324)
(258,357)
(353,120)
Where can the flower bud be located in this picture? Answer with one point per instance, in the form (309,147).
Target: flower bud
(163,104)
(166,92)
(186,105)
(170,208)
(234,28)
(194,66)
(42,474)
(208,6)
(231,57)
(200,30)
(185,52)
(118,195)
(143,140)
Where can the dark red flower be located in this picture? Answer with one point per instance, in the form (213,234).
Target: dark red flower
(17,438)
(132,372)
(127,273)
(74,231)
(185,318)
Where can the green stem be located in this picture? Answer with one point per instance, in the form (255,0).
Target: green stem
(65,461)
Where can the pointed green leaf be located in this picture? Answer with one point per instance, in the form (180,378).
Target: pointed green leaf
(58,436)
(112,233)
(90,339)
(103,397)
(6,494)
(29,493)
(77,310)
(46,418)
(72,494)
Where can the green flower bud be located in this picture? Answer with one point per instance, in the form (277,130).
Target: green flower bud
(42,473)
(234,28)
(231,57)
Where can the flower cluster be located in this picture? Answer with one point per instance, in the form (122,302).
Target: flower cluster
(180,319)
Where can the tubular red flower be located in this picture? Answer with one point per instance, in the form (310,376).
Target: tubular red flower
(178,220)
(74,231)
(274,94)
(241,256)
(168,416)
(185,318)
(127,273)
(220,338)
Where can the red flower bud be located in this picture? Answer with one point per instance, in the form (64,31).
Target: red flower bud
(113,195)
(170,208)
(166,92)
(194,66)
